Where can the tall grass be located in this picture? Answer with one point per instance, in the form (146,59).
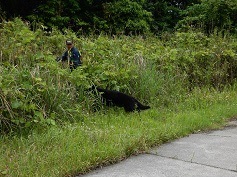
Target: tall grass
(103,139)
(37,91)
(188,79)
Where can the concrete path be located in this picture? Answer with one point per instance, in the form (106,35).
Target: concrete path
(212,154)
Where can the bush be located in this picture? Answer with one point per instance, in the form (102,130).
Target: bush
(36,91)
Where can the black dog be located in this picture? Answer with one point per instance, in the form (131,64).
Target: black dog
(115,98)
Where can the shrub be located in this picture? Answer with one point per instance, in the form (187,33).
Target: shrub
(37,91)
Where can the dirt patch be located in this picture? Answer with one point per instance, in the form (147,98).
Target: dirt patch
(231,124)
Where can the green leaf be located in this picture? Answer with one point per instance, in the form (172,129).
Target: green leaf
(4,172)
(51,121)
(16,104)
(39,55)
(28,124)
(22,120)
(39,115)
(17,122)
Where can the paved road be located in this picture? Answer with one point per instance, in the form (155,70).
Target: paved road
(212,154)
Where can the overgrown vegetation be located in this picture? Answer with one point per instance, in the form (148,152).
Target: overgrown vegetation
(36,90)
(211,15)
(188,78)
(103,139)
(126,16)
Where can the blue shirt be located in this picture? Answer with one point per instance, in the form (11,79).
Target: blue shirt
(73,55)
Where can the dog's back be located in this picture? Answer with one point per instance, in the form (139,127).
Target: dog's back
(120,99)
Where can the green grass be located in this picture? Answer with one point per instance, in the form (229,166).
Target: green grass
(36,92)
(102,139)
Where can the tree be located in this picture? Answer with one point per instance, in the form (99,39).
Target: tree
(60,13)
(111,16)
(15,8)
(92,14)
(127,16)
(166,13)
(95,15)
(210,15)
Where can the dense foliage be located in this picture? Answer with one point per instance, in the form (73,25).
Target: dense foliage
(35,90)
(125,16)
(188,77)
(211,15)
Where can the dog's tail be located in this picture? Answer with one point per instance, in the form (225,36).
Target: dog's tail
(141,106)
